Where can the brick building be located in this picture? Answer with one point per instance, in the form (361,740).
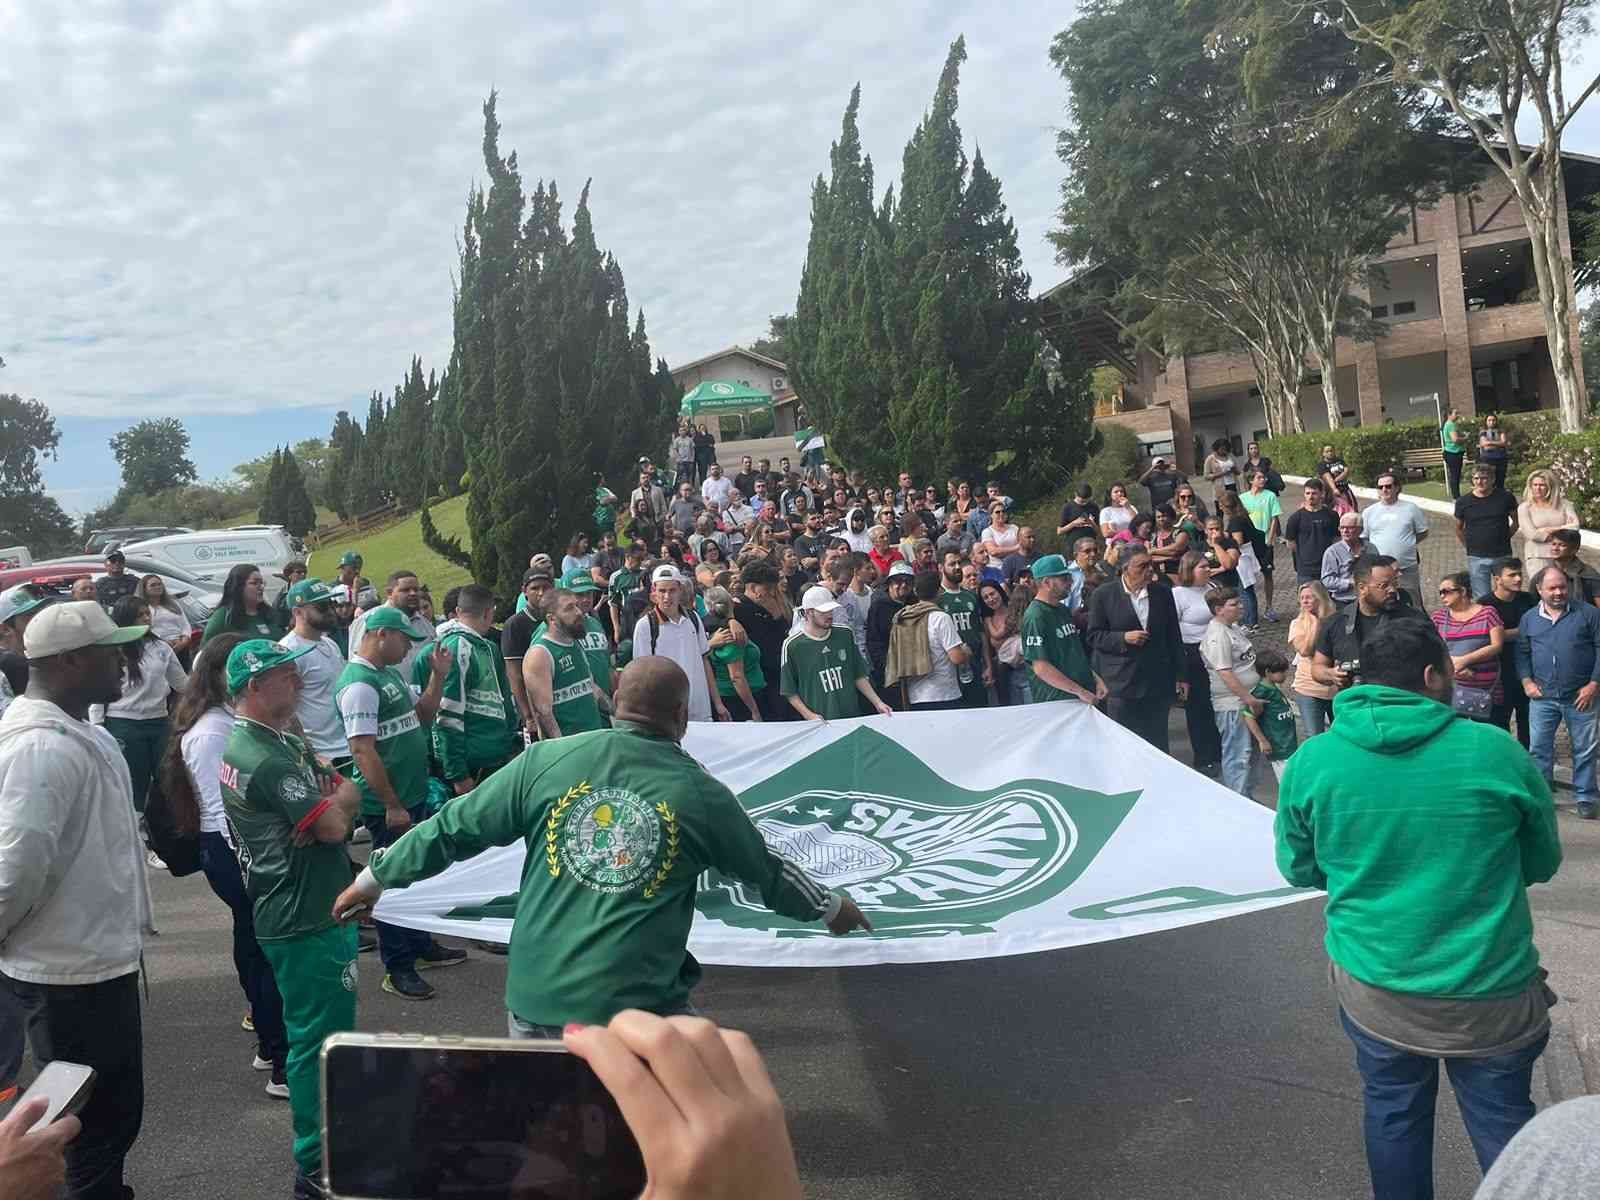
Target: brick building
(1455,291)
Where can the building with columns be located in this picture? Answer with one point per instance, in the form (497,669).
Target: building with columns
(1454,291)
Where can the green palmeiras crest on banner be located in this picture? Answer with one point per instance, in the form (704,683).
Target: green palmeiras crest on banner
(922,856)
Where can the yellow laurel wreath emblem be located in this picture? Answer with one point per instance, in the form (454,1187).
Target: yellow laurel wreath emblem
(671,856)
(554,823)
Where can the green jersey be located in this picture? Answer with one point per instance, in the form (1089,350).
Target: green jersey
(377,702)
(571,686)
(263,625)
(1048,635)
(963,609)
(824,673)
(1447,439)
(596,648)
(1277,721)
(621,824)
(750,655)
(270,792)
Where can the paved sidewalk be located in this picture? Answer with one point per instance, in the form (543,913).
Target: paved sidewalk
(1567,909)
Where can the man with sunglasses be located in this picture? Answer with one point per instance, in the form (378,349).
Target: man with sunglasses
(1396,527)
(319,664)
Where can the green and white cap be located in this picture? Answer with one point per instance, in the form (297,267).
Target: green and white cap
(1050,565)
(256,657)
(579,580)
(309,591)
(386,617)
(74,626)
(23,598)
(350,559)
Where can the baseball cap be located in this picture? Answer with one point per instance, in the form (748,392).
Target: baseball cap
(256,657)
(818,599)
(18,600)
(665,573)
(533,573)
(339,593)
(350,559)
(74,625)
(900,568)
(579,580)
(311,591)
(1049,565)
(384,617)
(116,556)
(542,560)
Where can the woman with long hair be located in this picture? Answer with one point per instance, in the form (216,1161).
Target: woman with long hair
(243,608)
(1242,530)
(167,621)
(1315,700)
(1544,508)
(1494,449)
(1002,628)
(1474,634)
(191,772)
(642,526)
(579,555)
(151,673)
(1195,579)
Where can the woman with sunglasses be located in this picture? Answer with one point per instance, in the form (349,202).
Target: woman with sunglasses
(1474,635)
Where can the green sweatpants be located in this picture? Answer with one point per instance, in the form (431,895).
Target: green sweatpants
(316,977)
(143,743)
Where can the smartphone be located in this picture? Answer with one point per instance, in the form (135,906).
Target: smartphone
(408,1117)
(66,1085)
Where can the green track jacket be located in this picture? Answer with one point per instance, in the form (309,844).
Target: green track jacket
(477,725)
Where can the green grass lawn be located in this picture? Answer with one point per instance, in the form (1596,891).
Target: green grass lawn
(400,546)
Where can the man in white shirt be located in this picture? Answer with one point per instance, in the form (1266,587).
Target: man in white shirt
(1396,527)
(74,901)
(311,607)
(404,593)
(940,688)
(670,630)
(717,488)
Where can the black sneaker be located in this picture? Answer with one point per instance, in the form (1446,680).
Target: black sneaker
(365,943)
(498,948)
(307,1187)
(440,956)
(408,985)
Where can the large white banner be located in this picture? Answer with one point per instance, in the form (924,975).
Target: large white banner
(961,835)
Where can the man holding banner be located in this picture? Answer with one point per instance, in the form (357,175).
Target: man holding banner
(627,822)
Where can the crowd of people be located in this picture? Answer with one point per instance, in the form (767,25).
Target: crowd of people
(772,595)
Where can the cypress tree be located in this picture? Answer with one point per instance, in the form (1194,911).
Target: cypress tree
(272,492)
(299,514)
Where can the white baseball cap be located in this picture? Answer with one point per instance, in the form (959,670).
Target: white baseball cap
(900,567)
(74,625)
(818,599)
(665,573)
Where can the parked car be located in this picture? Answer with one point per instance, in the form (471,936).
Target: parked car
(211,553)
(103,541)
(56,579)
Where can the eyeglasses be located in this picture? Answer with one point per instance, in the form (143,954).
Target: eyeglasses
(1386,487)
(1448,591)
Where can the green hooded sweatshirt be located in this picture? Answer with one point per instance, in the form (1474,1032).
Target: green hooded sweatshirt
(477,725)
(1425,830)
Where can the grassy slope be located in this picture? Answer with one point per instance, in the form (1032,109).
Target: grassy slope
(400,545)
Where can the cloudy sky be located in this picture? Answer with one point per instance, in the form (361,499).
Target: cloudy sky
(245,214)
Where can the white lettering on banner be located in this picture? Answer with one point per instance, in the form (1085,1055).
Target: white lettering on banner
(951,856)
(389,729)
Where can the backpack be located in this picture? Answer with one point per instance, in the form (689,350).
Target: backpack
(655,624)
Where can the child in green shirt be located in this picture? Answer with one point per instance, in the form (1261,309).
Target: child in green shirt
(1274,729)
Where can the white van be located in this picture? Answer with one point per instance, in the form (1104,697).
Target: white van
(212,553)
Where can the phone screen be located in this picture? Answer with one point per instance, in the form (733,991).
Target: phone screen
(419,1122)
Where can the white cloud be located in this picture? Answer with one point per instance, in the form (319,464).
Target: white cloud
(216,207)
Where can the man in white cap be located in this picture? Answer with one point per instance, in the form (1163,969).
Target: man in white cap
(74,903)
(672,631)
(822,669)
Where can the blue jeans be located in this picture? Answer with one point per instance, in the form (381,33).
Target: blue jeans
(1237,745)
(1400,1090)
(1252,611)
(1316,714)
(1543,717)
(397,945)
(222,872)
(1482,581)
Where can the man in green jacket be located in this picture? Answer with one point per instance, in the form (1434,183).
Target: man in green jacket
(1426,832)
(477,730)
(621,823)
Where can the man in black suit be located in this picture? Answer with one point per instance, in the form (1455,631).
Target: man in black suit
(1138,651)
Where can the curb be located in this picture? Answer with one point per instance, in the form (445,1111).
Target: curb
(1588,538)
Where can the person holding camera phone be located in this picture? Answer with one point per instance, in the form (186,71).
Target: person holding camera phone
(1379,600)
(626,822)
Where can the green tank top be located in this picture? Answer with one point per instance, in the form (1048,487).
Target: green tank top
(402,742)
(571,687)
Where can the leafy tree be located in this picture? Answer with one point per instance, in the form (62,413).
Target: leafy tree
(28,516)
(198,505)
(1490,63)
(913,317)
(1236,172)
(775,343)
(154,456)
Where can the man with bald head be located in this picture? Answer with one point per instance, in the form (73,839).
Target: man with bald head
(622,823)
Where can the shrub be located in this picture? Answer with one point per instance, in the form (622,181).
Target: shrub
(1575,462)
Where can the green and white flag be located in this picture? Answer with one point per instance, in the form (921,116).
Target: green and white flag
(808,439)
(961,834)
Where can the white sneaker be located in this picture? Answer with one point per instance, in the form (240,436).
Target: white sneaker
(261,1064)
(361,835)
(154,861)
(278,1091)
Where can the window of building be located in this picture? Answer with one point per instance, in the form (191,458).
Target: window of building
(1382,310)
(1404,307)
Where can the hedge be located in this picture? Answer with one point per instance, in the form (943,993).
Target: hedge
(1575,462)
(1369,450)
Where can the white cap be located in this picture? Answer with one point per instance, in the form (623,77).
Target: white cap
(900,567)
(21,599)
(665,573)
(818,599)
(340,593)
(72,626)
